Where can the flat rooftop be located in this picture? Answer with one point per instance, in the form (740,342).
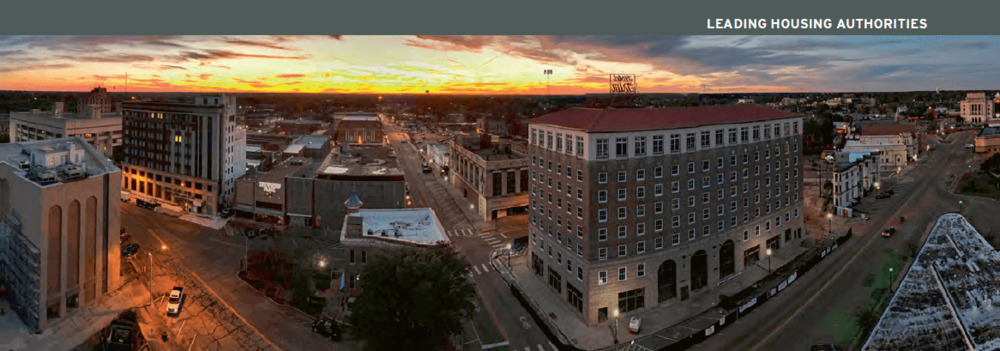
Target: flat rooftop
(989,132)
(356,161)
(592,120)
(409,225)
(90,162)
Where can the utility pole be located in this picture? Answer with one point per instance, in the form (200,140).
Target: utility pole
(548,73)
(150,278)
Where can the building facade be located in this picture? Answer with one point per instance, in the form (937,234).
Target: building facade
(184,154)
(987,142)
(493,176)
(59,225)
(98,126)
(854,173)
(976,108)
(363,129)
(638,209)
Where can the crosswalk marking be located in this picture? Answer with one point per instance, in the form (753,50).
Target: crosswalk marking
(553,346)
(527,348)
(492,240)
(485,269)
(540,348)
(477,269)
(498,246)
(471,275)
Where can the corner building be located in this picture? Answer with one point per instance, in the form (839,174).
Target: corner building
(638,209)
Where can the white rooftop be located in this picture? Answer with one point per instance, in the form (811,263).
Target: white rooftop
(414,225)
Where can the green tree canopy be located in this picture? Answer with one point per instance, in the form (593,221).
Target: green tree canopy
(412,299)
(991,165)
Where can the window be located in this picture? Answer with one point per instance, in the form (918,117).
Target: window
(676,221)
(622,232)
(579,175)
(569,144)
(640,146)
(691,201)
(658,207)
(675,170)
(658,225)
(675,203)
(705,166)
(689,142)
(690,184)
(658,172)
(602,253)
(640,192)
(640,228)
(675,186)
(622,194)
(658,190)
(622,273)
(657,144)
(622,250)
(579,146)
(602,278)
(602,148)
(579,194)
(640,174)
(658,243)
(706,139)
(732,136)
(622,212)
(640,211)
(602,177)
(602,215)
(559,141)
(690,167)
(692,234)
(756,133)
(720,137)
(621,147)
(675,143)
(675,238)
(602,234)
(602,196)
(744,134)
(622,176)
(640,247)
(548,137)
(692,217)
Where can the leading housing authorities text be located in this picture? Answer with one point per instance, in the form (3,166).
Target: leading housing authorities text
(817,23)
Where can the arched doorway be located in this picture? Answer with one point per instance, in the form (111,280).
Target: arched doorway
(666,280)
(699,270)
(727,259)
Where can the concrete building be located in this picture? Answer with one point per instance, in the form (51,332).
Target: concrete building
(187,155)
(987,142)
(96,125)
(640,209)
(59,225)
(439,155)
(298,126)
(367,233)
(898,144)
(311,191)
(361,129)
(854,172)
(976,108)
(492,175)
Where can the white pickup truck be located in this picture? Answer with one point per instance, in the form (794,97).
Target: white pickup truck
(175,300)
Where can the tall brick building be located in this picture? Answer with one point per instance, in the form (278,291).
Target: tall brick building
(637,209)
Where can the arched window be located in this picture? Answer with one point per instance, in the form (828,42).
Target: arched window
(699,270)
(666,280)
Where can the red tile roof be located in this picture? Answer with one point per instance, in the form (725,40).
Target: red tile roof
(888,130)
(625,120)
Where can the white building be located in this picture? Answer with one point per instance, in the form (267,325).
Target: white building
(439,155)
(100,128)
(854,172)
(897,143)
(184,154)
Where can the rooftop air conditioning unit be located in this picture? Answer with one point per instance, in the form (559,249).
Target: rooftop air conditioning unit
(25,165)
(47,176)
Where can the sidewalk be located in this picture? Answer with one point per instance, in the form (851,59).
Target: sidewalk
(74,329)
(670,321)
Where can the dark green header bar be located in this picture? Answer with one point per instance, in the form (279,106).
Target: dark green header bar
(498,17)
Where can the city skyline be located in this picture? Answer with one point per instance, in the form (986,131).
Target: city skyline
(495,64)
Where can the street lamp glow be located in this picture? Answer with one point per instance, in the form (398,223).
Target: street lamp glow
(829,216)
(163,247)
(616,313)
(768,251)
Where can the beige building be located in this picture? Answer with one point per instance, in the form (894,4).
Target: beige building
(641,209)
(98,126)
(59,225)
(987,142)
(183,155)
(976,108)
(854,173)
(492,175)
(897,144)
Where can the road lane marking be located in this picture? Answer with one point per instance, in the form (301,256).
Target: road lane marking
(540,348)
(217,297)
(553,346)
(485,269)
(477,269)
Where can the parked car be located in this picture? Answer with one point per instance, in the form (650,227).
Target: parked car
(427,169)
(175,300)
(327,327)
(969,146)
(129,250)
(124,237)
(889,232)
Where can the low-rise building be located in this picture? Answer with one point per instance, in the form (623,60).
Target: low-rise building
(987,142)
(59,225)
(492,175)
(98,126)
(367,232)
(898,144)
(854,172)
(363,129)
(298,126)
(439,155)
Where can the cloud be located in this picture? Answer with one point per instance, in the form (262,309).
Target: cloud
(261,44)
(47,66)
(290,76)
(210,55)
(112,58)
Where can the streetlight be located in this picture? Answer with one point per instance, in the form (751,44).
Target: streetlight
(768,260)
(878,188)
(508,256)
(614,332)
(829,228)
(890,280)
(150,278)
(961,206)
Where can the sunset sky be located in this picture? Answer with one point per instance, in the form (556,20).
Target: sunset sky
(498,64)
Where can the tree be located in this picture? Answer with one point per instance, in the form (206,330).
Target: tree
(992,167)
(413,299)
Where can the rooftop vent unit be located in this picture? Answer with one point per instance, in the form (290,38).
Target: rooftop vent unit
(25,165)
(384,233)
(370,232)
(73,171)
(47,177)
